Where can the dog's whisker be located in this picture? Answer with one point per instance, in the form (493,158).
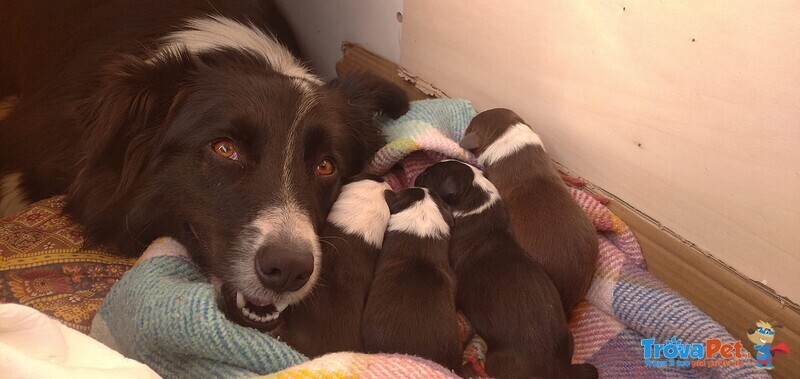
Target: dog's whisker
(331,245)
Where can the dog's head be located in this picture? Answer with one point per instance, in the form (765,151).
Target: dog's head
(237,160)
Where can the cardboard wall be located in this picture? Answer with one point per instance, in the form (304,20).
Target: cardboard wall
(322,25)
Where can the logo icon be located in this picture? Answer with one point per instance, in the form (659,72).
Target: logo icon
(675,353)
(762,337)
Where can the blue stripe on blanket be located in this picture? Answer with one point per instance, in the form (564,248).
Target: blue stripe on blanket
(651,309)
(162,312)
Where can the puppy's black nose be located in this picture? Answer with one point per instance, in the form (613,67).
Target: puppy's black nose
(283,268)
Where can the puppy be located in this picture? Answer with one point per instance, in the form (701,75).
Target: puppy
(504,293)
(330,319)
(411,305)
(189,119)
(547,221)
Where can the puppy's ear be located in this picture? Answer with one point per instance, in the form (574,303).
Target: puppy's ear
(405,199)
(373,94)
(471,141)
(389,196)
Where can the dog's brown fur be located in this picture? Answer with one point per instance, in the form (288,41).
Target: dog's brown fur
(502,290)
(411,305)
(547,221)
(330,319)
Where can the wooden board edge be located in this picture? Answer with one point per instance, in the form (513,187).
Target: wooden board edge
(356,58)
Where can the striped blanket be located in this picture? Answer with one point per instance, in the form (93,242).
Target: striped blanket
(162,312)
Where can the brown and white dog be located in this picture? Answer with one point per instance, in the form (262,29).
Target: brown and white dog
(188,119)
(329,320)
(548,223)
(411,306)
(503,292)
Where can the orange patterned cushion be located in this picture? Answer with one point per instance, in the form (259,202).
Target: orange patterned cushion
(43,265)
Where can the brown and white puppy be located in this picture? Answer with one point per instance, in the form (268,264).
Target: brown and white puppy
(330,319)
(504,293)
(547,221)
(411,305)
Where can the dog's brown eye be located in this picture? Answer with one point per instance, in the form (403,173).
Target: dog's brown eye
(325,167)
(226,149)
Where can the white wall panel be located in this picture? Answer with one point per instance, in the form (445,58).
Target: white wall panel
(688,110)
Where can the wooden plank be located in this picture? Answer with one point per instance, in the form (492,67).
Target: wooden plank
(356,58)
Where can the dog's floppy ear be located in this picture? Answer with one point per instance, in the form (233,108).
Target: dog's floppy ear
(363,96)
(124,117)
(130,108)
(372,93)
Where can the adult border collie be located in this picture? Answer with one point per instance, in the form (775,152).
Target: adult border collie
(190,119)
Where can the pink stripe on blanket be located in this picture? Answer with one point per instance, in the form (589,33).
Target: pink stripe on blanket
(591,328)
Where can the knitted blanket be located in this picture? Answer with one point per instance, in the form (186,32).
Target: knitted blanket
(162,312)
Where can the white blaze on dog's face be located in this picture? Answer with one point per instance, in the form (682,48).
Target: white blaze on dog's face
(222,140)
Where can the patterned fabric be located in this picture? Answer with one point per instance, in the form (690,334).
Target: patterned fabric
(163,313)
(625,304)
(43,265)
(373,366)
(431,126)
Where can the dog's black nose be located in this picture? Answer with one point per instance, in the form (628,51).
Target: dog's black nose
(284,269)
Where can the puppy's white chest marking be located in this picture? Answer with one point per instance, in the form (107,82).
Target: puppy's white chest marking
(422,219)
(361,210)
(515,138)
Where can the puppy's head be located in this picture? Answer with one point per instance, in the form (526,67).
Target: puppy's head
(496,134)
(418,212)
(460,185)
(238,160)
